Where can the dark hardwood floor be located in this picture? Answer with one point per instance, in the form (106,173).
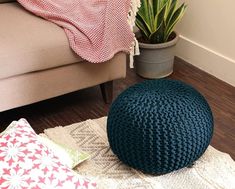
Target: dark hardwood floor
(88,104)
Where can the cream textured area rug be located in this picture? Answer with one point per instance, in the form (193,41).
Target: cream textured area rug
(214,170)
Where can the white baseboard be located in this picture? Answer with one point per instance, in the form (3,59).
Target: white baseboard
(206,59)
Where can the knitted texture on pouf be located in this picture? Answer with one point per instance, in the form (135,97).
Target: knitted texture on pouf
(159,126)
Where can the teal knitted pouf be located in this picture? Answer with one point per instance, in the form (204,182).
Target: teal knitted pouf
(159,126)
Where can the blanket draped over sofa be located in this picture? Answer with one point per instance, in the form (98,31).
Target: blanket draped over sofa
(99,26)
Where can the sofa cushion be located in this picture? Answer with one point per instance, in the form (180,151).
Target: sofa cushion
(6,1)
(29,43)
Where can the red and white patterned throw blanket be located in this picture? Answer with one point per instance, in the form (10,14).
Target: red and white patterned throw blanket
(96,29)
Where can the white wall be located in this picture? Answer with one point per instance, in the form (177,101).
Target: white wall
(208,37)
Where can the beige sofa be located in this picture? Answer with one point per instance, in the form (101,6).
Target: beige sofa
(36,62)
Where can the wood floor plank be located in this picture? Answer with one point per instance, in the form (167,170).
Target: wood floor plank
(88,104)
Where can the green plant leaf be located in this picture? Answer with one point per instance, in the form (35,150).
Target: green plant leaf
(157,5)
(156,19)
(144,13)
(168,5)
(151,14)
(170,11)
(163,2)
(174,20)
(159,17)
(156,37)
(142,26)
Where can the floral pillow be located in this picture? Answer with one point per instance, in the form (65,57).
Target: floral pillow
(25,162)
(69,157)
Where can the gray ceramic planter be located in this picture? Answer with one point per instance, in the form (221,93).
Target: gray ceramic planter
(156,60)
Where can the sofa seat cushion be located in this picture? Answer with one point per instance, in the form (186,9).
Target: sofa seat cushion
(29,43)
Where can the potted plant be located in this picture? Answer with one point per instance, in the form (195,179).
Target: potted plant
(156,20)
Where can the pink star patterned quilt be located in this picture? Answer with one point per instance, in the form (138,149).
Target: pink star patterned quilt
(96,29)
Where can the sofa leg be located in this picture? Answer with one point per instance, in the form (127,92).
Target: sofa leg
(107,91)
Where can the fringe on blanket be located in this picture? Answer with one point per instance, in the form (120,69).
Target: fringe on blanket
(135,5)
